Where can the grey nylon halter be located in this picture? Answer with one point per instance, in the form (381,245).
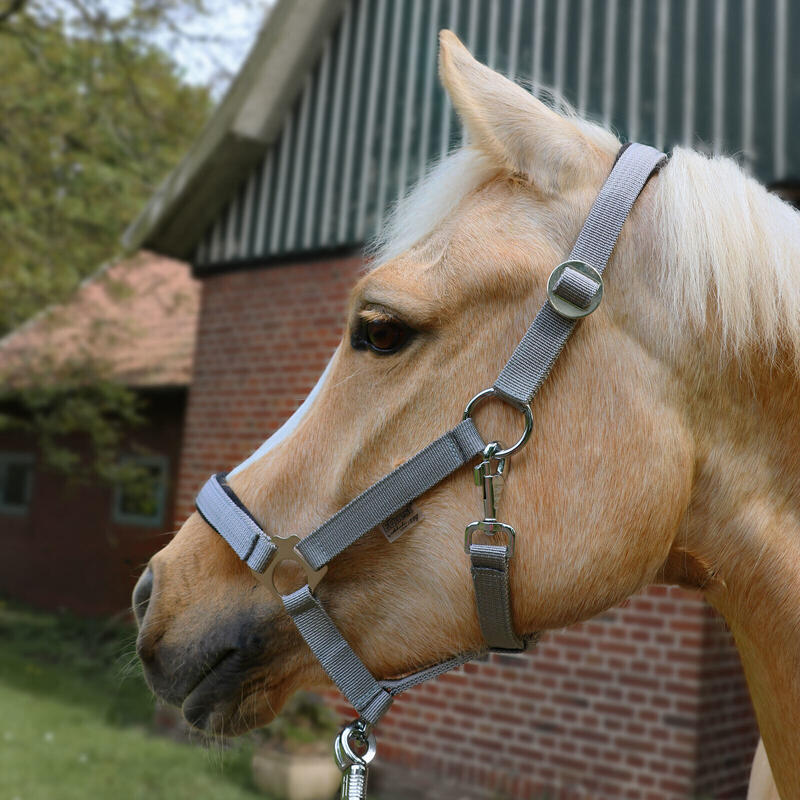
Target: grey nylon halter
(574,290)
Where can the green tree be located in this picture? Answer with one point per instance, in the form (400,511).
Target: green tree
(92,116)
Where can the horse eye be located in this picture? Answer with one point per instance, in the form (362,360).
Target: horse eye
(385,336)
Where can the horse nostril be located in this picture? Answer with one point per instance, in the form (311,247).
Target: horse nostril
(141,594)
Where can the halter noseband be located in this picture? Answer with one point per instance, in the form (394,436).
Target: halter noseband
(574,290)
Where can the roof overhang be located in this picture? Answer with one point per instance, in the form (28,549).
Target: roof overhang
(244,124)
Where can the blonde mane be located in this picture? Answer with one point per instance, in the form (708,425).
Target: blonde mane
(728,249)
(428,203)
(730,254)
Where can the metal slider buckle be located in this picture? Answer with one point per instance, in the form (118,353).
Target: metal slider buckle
(572,302)
(286,552)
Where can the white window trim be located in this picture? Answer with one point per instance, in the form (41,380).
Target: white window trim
(14,457)
(157,520)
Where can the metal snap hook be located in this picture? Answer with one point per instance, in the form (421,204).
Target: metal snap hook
(485,477)
(524,409)
(354,767)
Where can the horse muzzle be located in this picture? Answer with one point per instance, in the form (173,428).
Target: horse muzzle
(220,667)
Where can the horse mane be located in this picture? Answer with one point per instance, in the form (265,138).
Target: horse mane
(728,250)
(434,197)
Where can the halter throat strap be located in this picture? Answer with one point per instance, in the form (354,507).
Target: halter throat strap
(574,290)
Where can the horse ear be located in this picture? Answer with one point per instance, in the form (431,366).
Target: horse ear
(511,125)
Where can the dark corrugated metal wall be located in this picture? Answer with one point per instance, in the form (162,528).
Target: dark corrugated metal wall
(723,75)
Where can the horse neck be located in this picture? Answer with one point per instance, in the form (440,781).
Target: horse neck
(741,537)
(708,284)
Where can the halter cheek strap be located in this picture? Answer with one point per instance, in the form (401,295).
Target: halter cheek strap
(575,289)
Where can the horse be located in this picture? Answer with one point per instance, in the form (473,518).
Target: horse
(664,447)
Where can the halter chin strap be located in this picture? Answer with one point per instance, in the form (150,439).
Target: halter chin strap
(574,290)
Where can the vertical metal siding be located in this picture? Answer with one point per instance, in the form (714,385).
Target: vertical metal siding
(779,86)
(718,74)
(609,61)
(367,165)
(662,73)
(428,88)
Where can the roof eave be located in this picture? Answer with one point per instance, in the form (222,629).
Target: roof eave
(245,123)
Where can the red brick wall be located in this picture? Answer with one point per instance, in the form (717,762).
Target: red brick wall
(264,337)
(67,552)
(645,701)
(726,733)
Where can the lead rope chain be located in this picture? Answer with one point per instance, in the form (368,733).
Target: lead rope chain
(574,290)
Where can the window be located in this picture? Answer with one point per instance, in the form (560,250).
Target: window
(16,482)
(140,497)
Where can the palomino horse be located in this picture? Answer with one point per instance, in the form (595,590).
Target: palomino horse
(665,444)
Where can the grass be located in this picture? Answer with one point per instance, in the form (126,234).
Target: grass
(75,721)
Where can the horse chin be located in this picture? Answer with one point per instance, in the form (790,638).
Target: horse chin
(218,706)
(228,719)
(231,699)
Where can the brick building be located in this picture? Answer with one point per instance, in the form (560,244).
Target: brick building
(133,322)
(336,112)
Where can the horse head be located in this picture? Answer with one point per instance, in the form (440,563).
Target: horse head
(597,496)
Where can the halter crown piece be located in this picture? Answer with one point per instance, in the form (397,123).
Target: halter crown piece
(574,290)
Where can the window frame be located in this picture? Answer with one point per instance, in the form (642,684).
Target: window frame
(120,517)
(17,457)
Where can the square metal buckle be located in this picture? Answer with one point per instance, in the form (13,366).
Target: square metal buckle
(490,527)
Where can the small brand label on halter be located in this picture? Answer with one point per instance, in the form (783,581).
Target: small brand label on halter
(401,521)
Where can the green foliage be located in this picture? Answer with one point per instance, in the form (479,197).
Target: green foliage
(94,115)
(80,407)
(76,719)
(86,661)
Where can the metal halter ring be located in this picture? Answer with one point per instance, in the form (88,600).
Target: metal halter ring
(286,552)
(525,410)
